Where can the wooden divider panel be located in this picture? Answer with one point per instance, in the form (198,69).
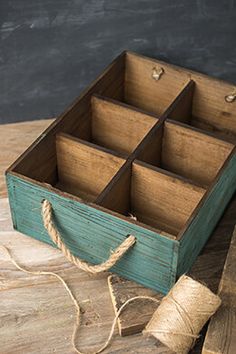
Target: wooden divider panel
(162,200)
(118,126)
(193,154)
(211,111)
(182,110)
(150,149)
(116,196)
(83,169)
(142,90)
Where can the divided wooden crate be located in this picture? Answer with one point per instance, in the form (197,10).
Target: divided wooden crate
(147,150)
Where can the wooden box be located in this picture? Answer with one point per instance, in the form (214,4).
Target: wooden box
(147,141)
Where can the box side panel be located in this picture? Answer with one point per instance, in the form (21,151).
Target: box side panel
(91,234)
(208,215)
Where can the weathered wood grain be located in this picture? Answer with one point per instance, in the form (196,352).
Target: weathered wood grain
(136,315)
(26,319)
(221,334)
(203,220)
(162,200)
(117,126)
(84,169)
(36,313)
(193,154)
(210,111)
(31,177)
(14,139)
(23,328)
(91,233)
(141,90)
(207,269)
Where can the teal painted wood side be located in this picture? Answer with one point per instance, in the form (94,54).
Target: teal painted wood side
(205,221)
(91,234)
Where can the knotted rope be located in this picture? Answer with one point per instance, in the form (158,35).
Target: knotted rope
(56,238)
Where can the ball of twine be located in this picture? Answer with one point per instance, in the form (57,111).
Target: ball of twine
(182,314)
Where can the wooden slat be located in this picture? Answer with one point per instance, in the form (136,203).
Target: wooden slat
(192,153)
(162,200)
(141,90)
(83,169)
(118,127)
(221,334)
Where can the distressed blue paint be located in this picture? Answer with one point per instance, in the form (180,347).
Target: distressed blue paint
(205,221)
(91,234)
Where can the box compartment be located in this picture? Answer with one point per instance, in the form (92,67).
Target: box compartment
(187,152)
(84,169)
(155,197)
(207,107)
(115,125)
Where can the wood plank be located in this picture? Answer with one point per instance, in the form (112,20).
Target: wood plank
(135,317)
(204,219)
(17,137)
(162,200)
(221,334)
(210,110)
(118,127)
(141,90)
(84,169)
(192,153)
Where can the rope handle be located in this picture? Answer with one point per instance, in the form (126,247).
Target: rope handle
(115,256)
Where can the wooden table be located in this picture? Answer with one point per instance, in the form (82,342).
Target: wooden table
(36,314)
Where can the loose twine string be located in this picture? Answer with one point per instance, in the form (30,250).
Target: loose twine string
(77,306)
(187,306)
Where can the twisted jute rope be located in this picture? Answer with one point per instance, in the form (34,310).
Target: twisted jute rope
(182,314)
(56,238)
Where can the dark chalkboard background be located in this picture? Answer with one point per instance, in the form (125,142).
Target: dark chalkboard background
(51,49)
